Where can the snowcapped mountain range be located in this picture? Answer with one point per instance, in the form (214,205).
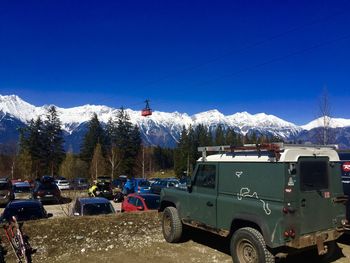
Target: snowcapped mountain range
(161,128)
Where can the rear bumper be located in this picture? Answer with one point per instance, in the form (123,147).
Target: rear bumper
(315,238)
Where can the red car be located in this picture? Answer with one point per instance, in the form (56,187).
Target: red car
(141,202)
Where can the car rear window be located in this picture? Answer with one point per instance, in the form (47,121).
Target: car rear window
(4,186)
(21,189)
(144,183)
(24,213)
(313,174)
(97,209)
(48,186)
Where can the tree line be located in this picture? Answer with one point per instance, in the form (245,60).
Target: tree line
(113,149)
(186,153)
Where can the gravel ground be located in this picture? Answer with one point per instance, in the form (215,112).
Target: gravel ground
(129,237)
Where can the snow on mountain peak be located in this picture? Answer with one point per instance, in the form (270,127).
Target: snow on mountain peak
(72,117)
(331,122)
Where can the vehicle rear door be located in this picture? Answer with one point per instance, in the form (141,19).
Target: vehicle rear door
(204,195)
(319,184)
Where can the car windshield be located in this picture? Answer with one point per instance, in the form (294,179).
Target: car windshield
(4,186)
(97,209)
(144,183)
(24,213)
(21,189)
(104,186)
(48,186)
(152,202)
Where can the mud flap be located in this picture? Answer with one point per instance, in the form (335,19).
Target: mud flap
(321,248)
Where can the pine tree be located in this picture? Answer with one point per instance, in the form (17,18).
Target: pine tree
(98,163)
(231,137)
(219,136)
(31,141)
(93,136)
(128,141)
(52,138)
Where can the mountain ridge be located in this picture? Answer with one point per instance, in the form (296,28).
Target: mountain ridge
(161,128)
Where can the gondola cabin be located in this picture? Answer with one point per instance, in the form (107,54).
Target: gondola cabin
(147,110)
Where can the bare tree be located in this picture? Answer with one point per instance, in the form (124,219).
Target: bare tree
(324,134)
(97,166)
(114,158)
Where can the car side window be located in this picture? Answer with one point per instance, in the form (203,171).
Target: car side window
(206,176)
(132,201)
(139,202)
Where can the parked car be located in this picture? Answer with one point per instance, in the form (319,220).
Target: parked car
(87,206)
(25,210)
(22,190)
(104,189)
(157,187)
(47,192)
(142,186)
(141,202)
(79,184)
(6,191)
(63,184)
(345,174)
(268,199)
(119,182)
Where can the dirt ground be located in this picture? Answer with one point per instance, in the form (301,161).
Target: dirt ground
(129,237)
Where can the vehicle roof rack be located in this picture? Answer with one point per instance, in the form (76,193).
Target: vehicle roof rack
(273,148)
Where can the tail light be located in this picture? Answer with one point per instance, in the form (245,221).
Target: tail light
(346,167)
(289,233)
(40,193)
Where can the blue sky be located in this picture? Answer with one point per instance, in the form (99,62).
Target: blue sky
(188,56)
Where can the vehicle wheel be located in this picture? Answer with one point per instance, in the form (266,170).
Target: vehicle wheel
(171,225)
(248,246)
(332,250)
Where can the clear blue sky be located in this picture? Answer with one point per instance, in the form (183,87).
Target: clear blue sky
(188,56)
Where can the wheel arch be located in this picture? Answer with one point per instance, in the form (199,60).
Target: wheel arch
(164,204)
(253,222)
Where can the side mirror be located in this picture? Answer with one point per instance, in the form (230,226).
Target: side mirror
(76,214)
(140,208)
(49,215)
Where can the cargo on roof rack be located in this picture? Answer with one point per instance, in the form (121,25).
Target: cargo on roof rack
(272,149)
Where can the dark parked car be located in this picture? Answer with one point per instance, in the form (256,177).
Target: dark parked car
(345,169)
(6,191)
(25,210)
(104,189)
(47,192)
(141,202)
(88,206)
(80,184)
(157,187)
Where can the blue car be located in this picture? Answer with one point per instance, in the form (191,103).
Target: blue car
(137,185)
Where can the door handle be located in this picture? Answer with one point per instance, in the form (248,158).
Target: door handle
(210,203)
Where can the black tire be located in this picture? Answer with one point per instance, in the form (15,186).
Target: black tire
(248,245)
(332,251)
(171,225)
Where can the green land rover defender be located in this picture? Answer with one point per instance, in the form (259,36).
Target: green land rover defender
(271,200)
